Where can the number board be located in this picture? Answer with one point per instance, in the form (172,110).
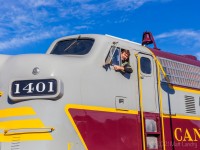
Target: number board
(26,88)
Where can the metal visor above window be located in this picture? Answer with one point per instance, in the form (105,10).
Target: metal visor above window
(31,89)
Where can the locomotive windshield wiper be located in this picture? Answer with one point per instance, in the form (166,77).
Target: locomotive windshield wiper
(75,41)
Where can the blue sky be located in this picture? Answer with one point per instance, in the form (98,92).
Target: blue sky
(30,26)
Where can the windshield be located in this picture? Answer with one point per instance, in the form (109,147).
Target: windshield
(73,47)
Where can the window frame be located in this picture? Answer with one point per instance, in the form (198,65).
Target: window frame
(111,58)
(74,39)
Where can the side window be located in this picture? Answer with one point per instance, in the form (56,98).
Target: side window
(113,56)
(145,65)
(119,58)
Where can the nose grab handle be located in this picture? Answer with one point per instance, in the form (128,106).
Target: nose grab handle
(27,130)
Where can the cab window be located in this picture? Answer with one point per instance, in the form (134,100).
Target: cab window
(119,58)
(73,47)
(113,57)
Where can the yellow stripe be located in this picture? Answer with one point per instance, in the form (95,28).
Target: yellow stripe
(92,108)
(12,112)
(186,90)
(69,146)
(161,106)
(141,102)
(182,117)
(105,109)
(15,124)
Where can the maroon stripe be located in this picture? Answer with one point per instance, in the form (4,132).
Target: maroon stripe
(175,57)
(108,130)
(185,134)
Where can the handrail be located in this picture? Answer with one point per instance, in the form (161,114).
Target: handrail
(15,131)
(160,68)
(141,102)
(161,107)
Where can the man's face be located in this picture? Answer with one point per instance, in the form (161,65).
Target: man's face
(124,56)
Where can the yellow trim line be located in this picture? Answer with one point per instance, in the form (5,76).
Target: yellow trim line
(181,117)
(186,89)
(161,105)
(141,102)
(13,112)
(104,109)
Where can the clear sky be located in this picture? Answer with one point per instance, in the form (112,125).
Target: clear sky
(30,26)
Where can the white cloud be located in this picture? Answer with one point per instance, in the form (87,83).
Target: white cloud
(183,37)
(81,1)
(180,33)
(26,21)
(3,32)
(33,37)
(130,4)
(133,4)
(39,3)
(188,40)
(198,55)
(81,27)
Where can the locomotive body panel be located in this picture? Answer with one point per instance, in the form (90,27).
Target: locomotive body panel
(71,99)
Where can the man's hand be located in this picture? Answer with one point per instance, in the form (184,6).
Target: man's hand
(118,68)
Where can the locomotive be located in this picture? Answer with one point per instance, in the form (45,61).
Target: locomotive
(71,98)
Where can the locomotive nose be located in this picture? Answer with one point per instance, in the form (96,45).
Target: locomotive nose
(28,66)
(32,77)
(3,59)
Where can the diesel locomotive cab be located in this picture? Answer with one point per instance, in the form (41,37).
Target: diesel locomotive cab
(38,89)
